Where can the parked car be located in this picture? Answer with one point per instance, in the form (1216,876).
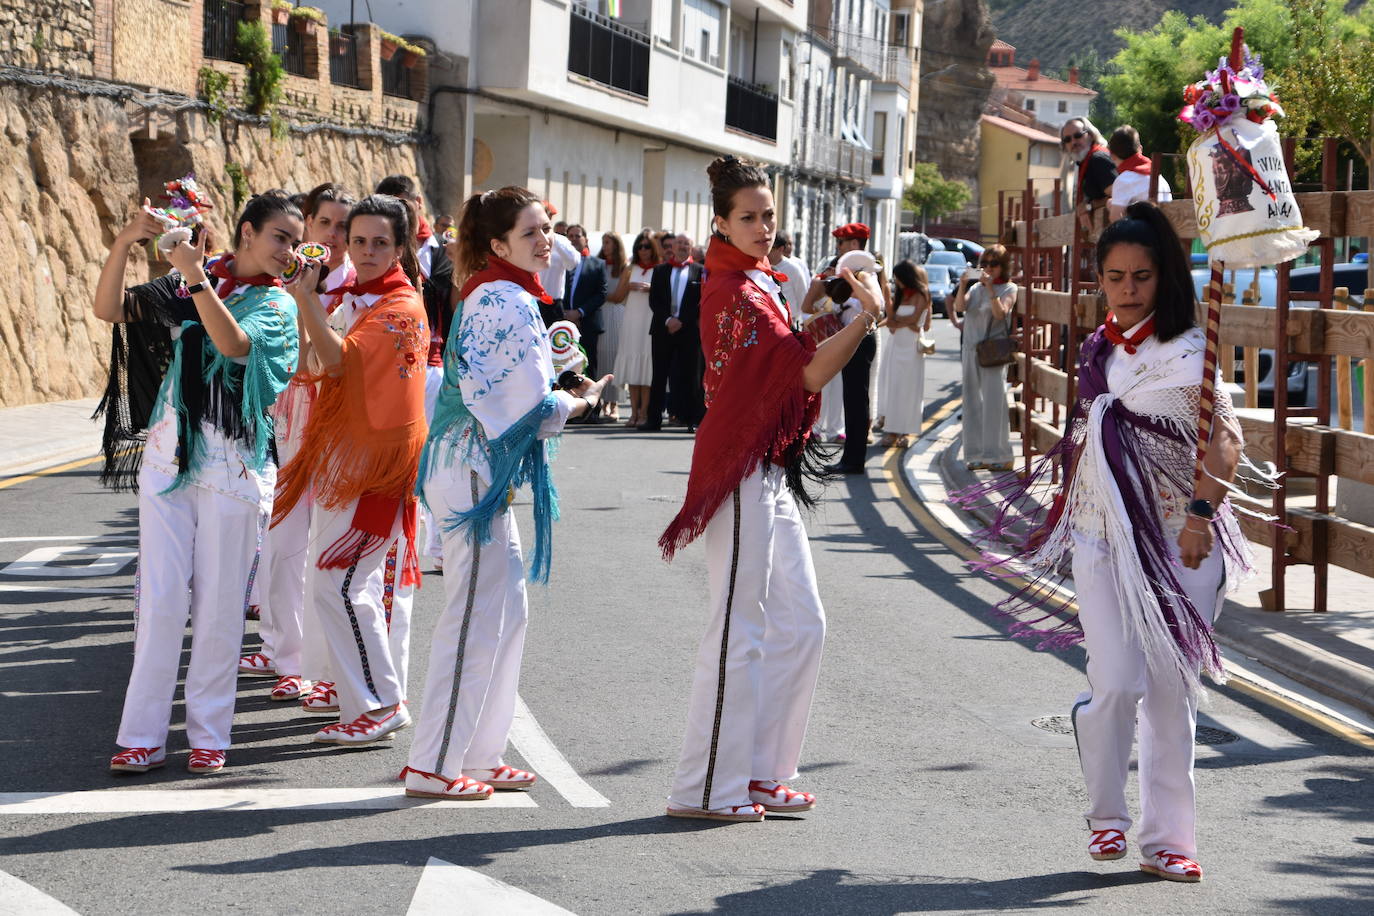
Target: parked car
(971,251)
(951,259)
(1353,275)
(941,288)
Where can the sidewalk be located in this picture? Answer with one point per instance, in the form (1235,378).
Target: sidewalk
(38,436)
(1332,653)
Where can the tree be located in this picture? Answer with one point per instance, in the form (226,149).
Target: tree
(1330,91)
(932,195)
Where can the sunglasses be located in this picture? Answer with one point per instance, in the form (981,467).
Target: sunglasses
(1066,140)
(644,248)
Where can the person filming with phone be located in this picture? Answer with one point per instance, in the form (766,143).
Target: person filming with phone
(983,311)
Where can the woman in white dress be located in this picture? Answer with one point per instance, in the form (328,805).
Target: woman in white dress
(904,368)
(612,315)
(634,363)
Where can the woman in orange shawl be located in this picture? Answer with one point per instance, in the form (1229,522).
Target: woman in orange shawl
(358,459)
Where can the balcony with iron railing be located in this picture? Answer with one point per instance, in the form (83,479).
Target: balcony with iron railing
(289,43)
(751,108)
(220,29)
(609,52)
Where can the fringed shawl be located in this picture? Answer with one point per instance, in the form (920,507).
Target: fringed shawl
(148,370)
(366,430)
(1114,462)
(515,458)
(759,412)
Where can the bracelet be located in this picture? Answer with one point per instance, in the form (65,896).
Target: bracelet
(872,320)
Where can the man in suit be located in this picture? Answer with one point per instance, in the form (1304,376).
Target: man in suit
(675,299)
(585,292)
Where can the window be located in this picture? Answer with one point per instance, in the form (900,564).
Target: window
(1030,104)
(702,19)
(663,20)
(879,141)
(1063,106)
(901,28)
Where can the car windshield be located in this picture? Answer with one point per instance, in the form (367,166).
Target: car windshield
(946,257)
(937,274)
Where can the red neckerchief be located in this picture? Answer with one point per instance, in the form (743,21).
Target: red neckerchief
(498,269)
(1083,171)
(1138,334)
(423,233)
(586,252)
(389,282)
(220,270)
(646,265)
(332,297)
(722,255)
(676,263)
(1137,162)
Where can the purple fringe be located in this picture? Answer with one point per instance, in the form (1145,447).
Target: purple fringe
(1019,510)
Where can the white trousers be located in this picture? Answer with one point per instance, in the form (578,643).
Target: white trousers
(758,663)
(475,654)
(1120,687)
(196,553)
(282,615)
(349,607)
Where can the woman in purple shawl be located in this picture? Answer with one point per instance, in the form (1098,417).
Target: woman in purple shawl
(1151,549)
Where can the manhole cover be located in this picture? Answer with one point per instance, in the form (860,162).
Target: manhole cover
(1063,725)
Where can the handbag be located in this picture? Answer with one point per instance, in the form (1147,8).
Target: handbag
(997,351)
(927,344)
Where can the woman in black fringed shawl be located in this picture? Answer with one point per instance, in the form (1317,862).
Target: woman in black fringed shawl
(197,363)
(1151,548)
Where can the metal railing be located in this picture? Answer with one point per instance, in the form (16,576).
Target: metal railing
(898,67)
(220,29)
(832,157)
(289,45)
(604,50)
(343,58)
(863,51)
(751,108)
(396,76)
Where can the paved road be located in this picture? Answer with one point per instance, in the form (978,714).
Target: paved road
(936,791)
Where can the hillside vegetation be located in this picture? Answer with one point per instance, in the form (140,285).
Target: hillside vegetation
(1055,30)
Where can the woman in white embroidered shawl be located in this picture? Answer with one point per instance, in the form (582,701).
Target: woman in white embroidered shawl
(1151,546)
(495,410)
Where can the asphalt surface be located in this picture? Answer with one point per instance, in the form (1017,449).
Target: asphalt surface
(936,792)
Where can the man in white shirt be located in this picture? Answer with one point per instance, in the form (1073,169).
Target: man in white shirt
(675,299)
(798,277)
(1132,172)
(562,259)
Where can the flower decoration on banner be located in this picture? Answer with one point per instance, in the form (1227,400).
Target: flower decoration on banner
(1228,92)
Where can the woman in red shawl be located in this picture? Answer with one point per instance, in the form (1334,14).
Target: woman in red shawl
(757,665)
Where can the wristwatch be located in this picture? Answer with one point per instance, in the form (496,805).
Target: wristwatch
(200,287)
(1201,508)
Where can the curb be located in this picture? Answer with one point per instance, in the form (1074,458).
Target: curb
(1238,628)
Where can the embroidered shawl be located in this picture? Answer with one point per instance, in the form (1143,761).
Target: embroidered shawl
(758,412)
(149,369)
(1129,473)
(366,429)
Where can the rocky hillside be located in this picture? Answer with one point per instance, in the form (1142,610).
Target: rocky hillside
(1053,30)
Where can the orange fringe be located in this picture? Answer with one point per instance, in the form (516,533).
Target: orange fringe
(367,427)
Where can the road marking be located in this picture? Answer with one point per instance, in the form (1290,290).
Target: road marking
(446,889)
(126,591)
(126,538)
(166,801)
(924,514)
(19,897)
(41,562)
(69,466)
(540,753)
